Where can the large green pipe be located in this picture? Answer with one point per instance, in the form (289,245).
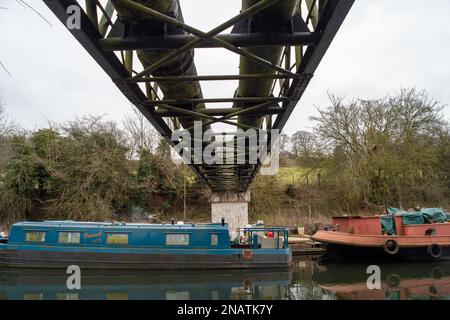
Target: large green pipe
(182,66)
(267,19)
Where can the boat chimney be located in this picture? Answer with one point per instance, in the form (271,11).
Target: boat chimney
(223,222)
(173,221)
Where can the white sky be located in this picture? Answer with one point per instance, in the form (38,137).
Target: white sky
(383,45)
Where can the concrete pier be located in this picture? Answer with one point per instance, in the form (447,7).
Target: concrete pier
(233,207)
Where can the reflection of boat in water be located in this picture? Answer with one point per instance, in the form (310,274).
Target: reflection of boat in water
(37,284)
(398,281)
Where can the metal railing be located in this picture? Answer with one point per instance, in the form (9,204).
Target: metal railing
(277,233)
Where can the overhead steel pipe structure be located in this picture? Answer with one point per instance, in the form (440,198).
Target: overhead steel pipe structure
(279,19)
(147,49)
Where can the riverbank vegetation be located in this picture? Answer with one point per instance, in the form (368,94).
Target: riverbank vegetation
(360,156)
(90,169)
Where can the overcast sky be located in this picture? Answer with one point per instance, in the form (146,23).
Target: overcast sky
(384,45)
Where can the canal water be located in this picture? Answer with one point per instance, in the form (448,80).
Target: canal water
(308,279)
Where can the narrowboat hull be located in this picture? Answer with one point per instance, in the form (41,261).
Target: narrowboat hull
(144,259)
(373,247)
(122,246)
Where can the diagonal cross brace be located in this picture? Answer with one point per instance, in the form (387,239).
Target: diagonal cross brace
(202,36)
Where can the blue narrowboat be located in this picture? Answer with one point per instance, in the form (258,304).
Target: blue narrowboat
(129,246)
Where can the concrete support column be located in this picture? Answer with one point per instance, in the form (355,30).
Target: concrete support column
(233,207)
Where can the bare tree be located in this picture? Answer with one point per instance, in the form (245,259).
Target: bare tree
(4,146)
(383,150)
(303,144)
(284,142)
(7,126)
(141,134)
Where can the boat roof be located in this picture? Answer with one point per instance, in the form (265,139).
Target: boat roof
(109,224)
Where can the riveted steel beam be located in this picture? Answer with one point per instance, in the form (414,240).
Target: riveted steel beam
(261,49)
(333,15)
(216,100)
(220,112)
(88,35)
(202,36)
(211,78)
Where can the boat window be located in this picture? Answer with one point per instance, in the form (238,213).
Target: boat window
(67,296)
(177,295)
(214,239)
(117,238)
(33,296)
(35,236)
(177,239)
(69,237)
(116,296)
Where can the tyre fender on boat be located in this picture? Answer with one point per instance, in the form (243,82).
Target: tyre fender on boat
(393,280)
(437,273)
(434,250)
(391,247)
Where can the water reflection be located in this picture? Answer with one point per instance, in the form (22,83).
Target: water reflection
(422,281)
(307,280)
(218,285)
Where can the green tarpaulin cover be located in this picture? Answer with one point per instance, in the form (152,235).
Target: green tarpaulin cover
(388,225)
(410,218)
(434,215)
(425,215)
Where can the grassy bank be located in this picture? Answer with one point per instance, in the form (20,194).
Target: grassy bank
(297,175)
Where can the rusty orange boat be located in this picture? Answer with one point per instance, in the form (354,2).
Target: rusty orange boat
(396,235)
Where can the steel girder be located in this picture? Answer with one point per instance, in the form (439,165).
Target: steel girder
(112,39)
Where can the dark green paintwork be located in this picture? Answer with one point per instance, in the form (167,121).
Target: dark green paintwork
(183,66)
(272,16)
